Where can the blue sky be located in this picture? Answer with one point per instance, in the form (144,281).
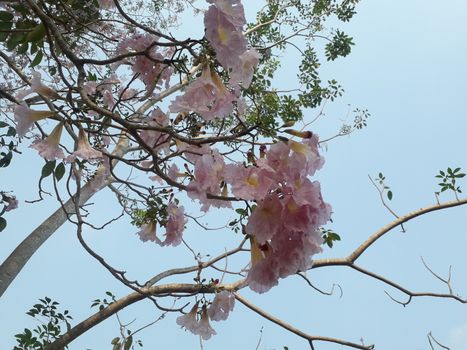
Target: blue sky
(408,69)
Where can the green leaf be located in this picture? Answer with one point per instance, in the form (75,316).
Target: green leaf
(59,171)
(36,34)
(11,131)
(48,168)
(6,16)
(2,224)
(3,124)
(37,59)
(390,195)
(23,48)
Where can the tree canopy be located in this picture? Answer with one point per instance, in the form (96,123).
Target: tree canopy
(187,131)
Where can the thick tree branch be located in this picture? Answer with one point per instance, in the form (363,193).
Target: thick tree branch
(297,331)
(382,231)
(11,267)
(172,288)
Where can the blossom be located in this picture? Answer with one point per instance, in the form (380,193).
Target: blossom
(206,96)
(106,4)
(175,225)
(49,148)
(233,9)
(12,203)
(224,32)
(154,138)
(148,67)
(263,273)
(84,149)
(148,232)
(25,118)
(204,328)
(209,175)
(38,87)
(265,221)
(243,71)
(221,306)
(189,321)
(292,252)
(248,183)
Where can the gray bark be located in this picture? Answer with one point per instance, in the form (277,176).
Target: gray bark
(11,267)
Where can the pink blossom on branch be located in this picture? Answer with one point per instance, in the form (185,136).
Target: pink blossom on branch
(249,183)
(12,203)
(209,175)
(265,221)
(38,87)
(84,149)
(26,117)
(175,225)
(221,306)
(148,232)
(224,32)
(49,148)
(189,321)
(106,4)
(204,329)
(149,67)
(206,96)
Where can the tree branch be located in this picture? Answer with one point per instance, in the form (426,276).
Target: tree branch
(296,331)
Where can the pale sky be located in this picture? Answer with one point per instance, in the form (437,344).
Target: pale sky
(408,69)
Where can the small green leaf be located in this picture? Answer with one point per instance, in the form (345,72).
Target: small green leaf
(3,124)
(6,16)
(59,171)
(11,131)
(48,168)
(390,195)
(2,224)
(36,34)
(37,59)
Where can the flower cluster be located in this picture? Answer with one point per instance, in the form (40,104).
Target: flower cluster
(174,227)
(207,96)
(284,225)
(148,66)
(224,22)
(219,310)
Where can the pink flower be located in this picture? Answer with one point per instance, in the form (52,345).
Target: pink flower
(38,87)
(209,174)
(204,327)
(150,71)
(249,183)
(221,306)
(207,96)
(189,321)
(265,221)
(90,88)
(49,148)
(12,203)
(148,232)
(84,149)
(233,9)
(26,117)
(243,72)
(224,32)
(106,4)
(153,138)
(263,273)
(175,225)
(292,252)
